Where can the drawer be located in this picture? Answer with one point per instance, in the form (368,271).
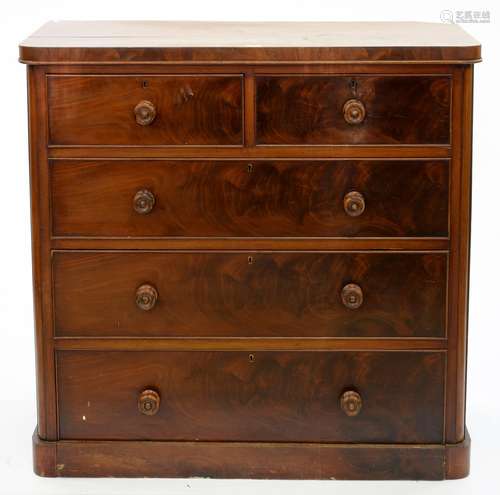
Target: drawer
(145,110)
(252,396)
(299,110)
(250,294)
(239,199)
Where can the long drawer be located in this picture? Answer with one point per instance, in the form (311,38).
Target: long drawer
(145,110)
(250,294)
(252,396)
(300,198)
(374,109)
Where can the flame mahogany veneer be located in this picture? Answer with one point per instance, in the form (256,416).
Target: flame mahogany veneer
(251,248)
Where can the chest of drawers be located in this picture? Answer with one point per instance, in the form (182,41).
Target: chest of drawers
(250,248)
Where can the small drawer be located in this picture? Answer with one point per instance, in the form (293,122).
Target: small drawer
(395,397)
(322,110)
(145,110)
(137,198)
(250,294)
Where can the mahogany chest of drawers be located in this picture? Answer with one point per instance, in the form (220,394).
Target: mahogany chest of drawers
(250,248)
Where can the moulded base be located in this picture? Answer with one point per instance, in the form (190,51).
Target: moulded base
(250,460)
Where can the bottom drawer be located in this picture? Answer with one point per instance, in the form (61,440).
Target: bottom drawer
(298,396)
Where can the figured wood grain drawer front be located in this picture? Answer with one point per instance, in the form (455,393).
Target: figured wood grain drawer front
(252,396)
(242,294)
(322,110)
(145,110)
(243,199)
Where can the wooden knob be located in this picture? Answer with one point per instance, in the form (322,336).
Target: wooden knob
(351,403)
(144,201)
(145,297)
(354,204)
(354,111)
(149,402)
(352,296)
(145,112)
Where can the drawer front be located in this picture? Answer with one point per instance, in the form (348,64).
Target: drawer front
(258,199)
(252,396)
(238,294)
(145,110)
(353,110)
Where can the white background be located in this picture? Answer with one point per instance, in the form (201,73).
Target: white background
(17,374)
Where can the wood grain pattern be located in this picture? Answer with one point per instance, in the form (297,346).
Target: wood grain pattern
(249,294)
(249,198)
(460,204)
(251,459)
(300,110)
(190,110)
(457,461)
(251,152)
(256,243)
(277,396)
(195,56)
(256,343)
(417,68)
(241,460)
(246,242)
(41,254)
(191,34)
(230,42)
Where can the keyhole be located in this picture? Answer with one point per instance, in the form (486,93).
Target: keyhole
(145,83)
(251,358)
(250,168)
(354,85)
(251,260)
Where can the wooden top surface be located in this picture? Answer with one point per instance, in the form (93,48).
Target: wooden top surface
(247,42)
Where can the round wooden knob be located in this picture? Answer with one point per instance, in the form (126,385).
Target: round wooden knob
(149,402)
(351,403)
(354,111)
(352,296)
(354,204)
(145,112)
(145,297)
(144,201)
